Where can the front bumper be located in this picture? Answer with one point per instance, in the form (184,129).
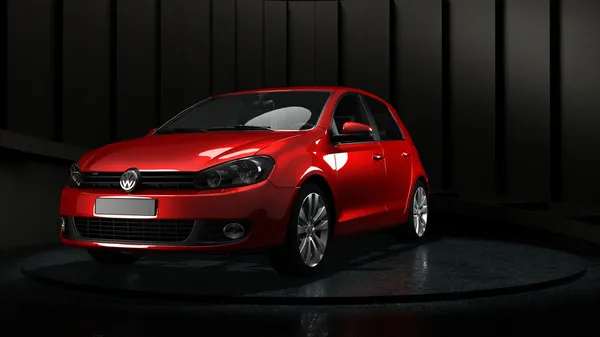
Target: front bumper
(263,209)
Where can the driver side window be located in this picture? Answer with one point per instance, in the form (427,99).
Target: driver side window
(349,109)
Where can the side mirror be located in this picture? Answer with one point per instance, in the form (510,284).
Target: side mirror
(353,128)
(354,132)
(151,132)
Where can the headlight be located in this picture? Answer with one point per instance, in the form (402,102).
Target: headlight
(74,175)
(235,173)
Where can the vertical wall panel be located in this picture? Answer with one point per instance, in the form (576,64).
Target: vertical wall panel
(223,46)
(30,68)
(472,59)
(528,99)
(366,45)
(136,43)
(3,70)
(86,72)
(581,100)
(275,35)
(301,16)
(326,42)
(249,25)
(418,77)
(185,54)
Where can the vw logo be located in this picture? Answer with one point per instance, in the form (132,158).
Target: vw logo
(129,180)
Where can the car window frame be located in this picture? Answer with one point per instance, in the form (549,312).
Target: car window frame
(372,124)
(391,114)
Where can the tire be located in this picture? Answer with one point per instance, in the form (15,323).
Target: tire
(113,257)
(418,214)
(290,259)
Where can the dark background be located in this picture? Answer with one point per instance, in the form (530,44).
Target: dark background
(501,97)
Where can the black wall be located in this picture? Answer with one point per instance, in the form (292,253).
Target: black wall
(502,97)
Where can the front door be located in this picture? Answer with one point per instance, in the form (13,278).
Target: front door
(360,170)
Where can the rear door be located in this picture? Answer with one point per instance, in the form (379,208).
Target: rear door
(397,153)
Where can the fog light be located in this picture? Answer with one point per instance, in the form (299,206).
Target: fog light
(233,231)
(63,226)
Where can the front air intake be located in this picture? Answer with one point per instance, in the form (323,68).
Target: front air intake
(133,230)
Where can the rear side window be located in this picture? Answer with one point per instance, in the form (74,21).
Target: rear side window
(386,124)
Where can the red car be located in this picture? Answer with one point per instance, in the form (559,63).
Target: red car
(286,169)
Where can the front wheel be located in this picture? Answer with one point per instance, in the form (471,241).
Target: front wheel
(113,257)
(307,236)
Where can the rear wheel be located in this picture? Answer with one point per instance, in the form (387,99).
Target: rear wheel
(416,228)
(307,236)
(113,257)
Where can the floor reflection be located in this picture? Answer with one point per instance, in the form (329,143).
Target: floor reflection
(308,324)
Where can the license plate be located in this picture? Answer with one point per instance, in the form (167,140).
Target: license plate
(126,206)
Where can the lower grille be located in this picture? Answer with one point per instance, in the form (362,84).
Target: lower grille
(138,230)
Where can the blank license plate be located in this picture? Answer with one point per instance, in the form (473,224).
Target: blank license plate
(126,206)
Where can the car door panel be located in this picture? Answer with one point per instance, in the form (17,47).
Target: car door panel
(398,158)
(360,173)
(360,183)
(398,174)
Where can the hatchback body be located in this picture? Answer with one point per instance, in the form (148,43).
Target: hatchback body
(284,170)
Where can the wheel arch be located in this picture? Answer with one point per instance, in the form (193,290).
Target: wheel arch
(424,180)
(323,184)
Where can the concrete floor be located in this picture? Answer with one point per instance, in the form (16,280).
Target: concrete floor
(35,307)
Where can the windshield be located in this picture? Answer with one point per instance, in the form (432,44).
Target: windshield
(274,110)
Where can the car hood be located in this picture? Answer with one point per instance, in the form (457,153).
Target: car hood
(179,152)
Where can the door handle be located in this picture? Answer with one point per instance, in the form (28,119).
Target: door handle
(378,156)
(405,154)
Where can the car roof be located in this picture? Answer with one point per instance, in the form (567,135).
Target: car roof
(332,88)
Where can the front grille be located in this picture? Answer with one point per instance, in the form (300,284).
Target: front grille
(149,180)
(138,230)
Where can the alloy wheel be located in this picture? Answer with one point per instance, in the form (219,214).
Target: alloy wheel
(420,211)
(313,229)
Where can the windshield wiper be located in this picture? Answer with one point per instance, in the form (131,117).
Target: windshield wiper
(180,130)
(240,127)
